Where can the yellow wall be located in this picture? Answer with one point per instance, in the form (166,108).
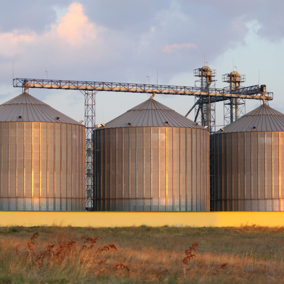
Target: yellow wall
(126,219)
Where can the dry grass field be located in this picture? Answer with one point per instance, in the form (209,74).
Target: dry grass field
(141,255)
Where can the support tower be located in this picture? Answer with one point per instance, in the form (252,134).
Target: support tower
(234,108)
(205,112)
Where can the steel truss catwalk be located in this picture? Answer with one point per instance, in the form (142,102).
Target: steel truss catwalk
(254,92)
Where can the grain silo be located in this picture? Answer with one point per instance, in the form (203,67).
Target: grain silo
(151,159)
(248,159)
(42,157)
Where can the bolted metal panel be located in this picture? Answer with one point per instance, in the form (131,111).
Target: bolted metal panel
(248,170)
(42,166)
(151,169)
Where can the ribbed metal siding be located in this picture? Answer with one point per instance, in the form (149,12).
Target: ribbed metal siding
(42,166)
(151,169)
(248,171)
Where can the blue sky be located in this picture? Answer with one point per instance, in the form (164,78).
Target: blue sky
(126,41)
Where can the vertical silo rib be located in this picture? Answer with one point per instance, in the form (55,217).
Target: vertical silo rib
(192,166)
(47,168)
(279,165)
(136,170)
(166,169)
(228,177)
(110,159)
(116,168)
(258,173)
(272,171)
(144,165)
(186,189)
(173,168)
(24,155)
(265,172)
(179,169)
(129,169)
(66,165)
(245,177)
(258,170)
(251,171)
(16,170)
(103,165)
(60,173)
(219,169)
(40,167)
(103,145)
(200,169)
(239,174)
(232,176)
(54,171)
(107,186)
(102,173)
(97,169)
(9,168)
(122,167)
(206,139)
(230,204)
(106,178)
(198,172)
(1,169)
(159,168)
(151,167)
(224,171)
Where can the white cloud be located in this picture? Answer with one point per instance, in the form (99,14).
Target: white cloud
(14,41)
(74,27)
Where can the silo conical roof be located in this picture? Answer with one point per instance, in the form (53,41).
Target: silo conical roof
(151,113)
(263,118)
(31,109)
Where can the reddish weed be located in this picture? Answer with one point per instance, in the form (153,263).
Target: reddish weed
(189,254)
(223,266)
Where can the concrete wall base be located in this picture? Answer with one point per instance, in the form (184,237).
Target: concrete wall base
(130,219)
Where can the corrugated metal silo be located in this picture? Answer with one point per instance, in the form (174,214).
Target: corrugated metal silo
(42,157)
(151,159)
(248,163)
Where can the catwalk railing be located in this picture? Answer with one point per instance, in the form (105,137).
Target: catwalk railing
(253,92)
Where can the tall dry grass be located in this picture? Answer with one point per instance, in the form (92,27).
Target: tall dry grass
(139,255)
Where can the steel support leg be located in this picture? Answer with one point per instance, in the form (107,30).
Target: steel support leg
(89,122)
(233,110)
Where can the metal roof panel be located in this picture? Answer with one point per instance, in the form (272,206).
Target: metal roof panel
(263,118)
(31,109)
(151,113)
